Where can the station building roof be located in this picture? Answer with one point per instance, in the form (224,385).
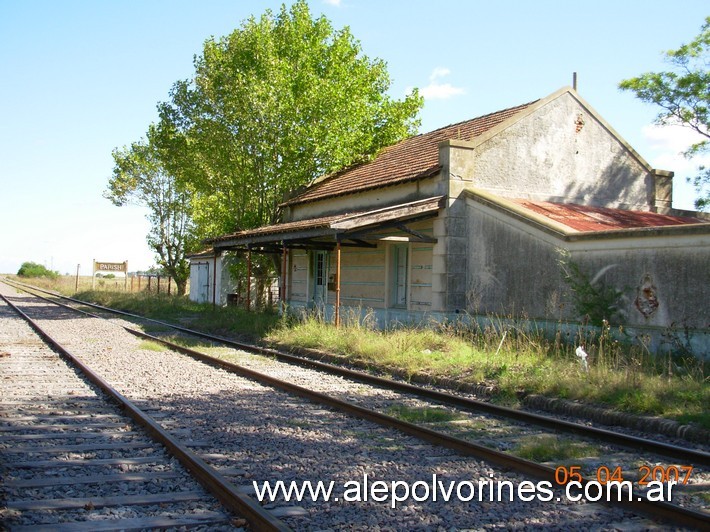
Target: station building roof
(323,232)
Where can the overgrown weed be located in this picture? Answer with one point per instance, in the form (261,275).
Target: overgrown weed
(514,359)
(503,352)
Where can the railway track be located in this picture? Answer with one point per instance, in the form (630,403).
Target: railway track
(76,455)
(442,397)
(683,517)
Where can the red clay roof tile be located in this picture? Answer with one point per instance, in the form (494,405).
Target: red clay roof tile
(411,159)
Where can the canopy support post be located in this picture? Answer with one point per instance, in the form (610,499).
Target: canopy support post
(337,285)
(284,273)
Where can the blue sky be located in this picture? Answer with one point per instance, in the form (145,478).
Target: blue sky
(79,78)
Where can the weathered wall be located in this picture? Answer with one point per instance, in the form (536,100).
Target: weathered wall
(663,284)
(369,200)
(561,152)
(365,274)
(512,269)
(515,270)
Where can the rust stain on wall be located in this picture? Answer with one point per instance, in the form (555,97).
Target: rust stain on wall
(646,299)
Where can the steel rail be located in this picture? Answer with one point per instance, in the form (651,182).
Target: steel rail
(677,515)
(635,443)
(207,476)
(640,504)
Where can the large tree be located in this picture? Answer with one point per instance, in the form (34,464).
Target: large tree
(282,100)
(684,96)
(139,177)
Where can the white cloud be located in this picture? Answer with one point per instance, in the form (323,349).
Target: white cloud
(440,91)
(667,144)
(439,72)
(335,3)
(676,138)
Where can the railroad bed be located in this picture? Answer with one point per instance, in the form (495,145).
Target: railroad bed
(252,432)
(68,454)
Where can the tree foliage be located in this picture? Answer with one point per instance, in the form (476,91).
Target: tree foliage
(32,269)
(139,177)
(684,96)
(282,100)
(594,300)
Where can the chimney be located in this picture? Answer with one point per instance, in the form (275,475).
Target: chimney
(662,191)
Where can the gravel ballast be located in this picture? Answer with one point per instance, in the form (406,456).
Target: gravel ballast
(254,433)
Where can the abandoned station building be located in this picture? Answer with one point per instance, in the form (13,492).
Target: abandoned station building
(475,219)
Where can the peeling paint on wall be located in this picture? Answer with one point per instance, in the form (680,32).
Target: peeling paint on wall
(646,299)
(579,123)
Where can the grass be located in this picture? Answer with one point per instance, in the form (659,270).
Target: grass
(149,345)
(548,447)
(423,414)
(623,377)
(230,321)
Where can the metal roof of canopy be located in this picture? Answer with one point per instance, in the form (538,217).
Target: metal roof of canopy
(351,229)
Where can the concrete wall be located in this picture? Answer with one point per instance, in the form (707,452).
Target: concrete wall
(665,279)
(369,200)
(560,152)
(512,268)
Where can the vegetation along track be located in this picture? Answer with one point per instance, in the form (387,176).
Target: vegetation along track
(465,427)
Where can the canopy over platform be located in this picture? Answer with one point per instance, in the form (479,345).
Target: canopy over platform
(361,229)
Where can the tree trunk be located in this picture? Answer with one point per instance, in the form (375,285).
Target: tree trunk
(180,286)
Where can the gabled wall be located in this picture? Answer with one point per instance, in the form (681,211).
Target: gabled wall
(557,150)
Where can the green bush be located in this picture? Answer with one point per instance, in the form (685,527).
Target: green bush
(32,269)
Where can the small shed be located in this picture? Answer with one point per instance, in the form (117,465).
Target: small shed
(205,286)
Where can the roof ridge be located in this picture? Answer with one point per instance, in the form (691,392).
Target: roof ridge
(412,159)
(487,115)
